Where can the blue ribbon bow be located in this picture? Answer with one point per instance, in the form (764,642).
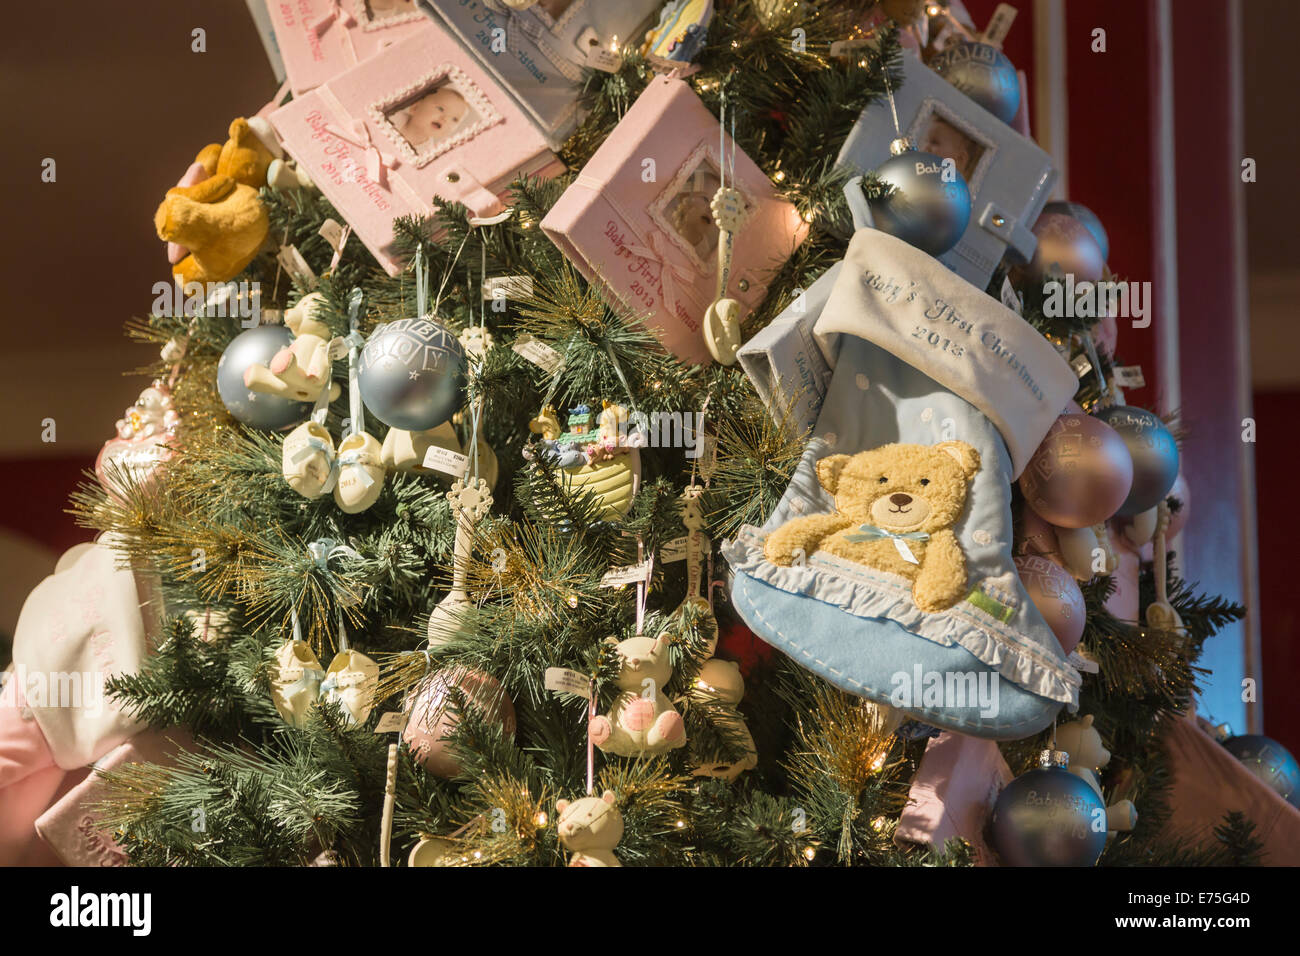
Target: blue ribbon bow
(869,532)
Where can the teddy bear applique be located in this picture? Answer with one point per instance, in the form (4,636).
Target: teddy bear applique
(895,509)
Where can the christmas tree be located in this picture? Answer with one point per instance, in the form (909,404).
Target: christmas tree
(486,618)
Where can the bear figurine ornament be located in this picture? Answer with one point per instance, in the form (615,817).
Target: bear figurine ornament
(302,370)
(895,509)
(591,827)
(643,720)
(1088,757)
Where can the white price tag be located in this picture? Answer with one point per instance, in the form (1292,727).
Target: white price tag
(393,722)
(849,47)
(446,461)
(335,234)
(510,287)
(631,574)
(1081,365)
(564,681)
(1010,298)
(1129,376)
(538,352)
(603,58)
(999,24)
(292,262)
(675,550)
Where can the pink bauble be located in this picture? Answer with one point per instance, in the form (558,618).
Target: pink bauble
(132,461)
(432,717)
(1057,597)
(1080,474)
(1065,247)
(1182,494)
(1037,537)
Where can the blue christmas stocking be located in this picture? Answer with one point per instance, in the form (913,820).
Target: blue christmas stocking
(887,568)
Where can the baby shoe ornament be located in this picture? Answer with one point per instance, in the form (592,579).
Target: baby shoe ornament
(295,681)
(361,473)
(309,463)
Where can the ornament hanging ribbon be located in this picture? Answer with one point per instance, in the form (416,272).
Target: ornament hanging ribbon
(672,268)
(378,162)
(869,532)
(337,13)
(312,446)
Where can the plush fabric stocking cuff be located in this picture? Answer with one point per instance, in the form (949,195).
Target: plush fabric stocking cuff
(91,619)
(897,297)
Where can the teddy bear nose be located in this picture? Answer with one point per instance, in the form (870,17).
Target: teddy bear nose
(900,500)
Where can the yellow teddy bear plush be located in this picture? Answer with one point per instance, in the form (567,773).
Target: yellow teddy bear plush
(212,219)
(895,509)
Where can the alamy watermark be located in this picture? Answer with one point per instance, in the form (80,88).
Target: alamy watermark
(959,690)
(1085,300)
(82,690)
(233,300)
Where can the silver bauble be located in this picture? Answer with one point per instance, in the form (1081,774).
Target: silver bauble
(1270,762)
(1049,817)
(1154,451)
(412,374)
(1087,218)
(924,210)
(983,73)
(256,346)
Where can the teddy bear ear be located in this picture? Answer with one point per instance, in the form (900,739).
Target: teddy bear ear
(561,805)
(828,471)
(966,457)
(608,796)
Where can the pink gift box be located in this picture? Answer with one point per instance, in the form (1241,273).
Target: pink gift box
(956,785)
(422,120)
(319,39)
(71,829)
(652,244)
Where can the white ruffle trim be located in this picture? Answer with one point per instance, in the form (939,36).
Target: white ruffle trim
(867,593)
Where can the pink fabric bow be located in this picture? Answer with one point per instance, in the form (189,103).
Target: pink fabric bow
(337,12)
(377,162)
(670,266)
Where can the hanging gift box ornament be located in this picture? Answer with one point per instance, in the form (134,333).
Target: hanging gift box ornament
(650,242)
(1008,175)
(1049,817)
(1153,450)
(251,348)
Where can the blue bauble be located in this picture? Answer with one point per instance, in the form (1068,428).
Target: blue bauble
(1087,218)
(1268,760)
(924,210)
(1154,452)
(412,374)
(257,346)
(983,73)
(1048,817)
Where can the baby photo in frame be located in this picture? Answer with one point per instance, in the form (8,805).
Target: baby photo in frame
(385,138)
(548,46)
(438,112)
(1009,176)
